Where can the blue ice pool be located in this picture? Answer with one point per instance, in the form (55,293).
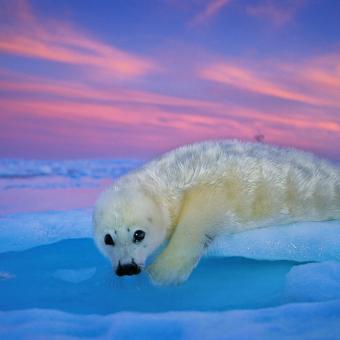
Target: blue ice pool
(72,276)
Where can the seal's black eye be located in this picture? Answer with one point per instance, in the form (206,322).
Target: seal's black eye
(108,240)
(138,236)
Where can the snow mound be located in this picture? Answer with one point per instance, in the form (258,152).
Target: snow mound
(295,321)
(304,241)
(26,230)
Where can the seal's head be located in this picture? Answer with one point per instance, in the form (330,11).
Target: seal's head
(128,226)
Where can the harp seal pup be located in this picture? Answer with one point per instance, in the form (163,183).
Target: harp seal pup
(194,193)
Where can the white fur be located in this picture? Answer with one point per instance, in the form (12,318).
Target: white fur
(196,192)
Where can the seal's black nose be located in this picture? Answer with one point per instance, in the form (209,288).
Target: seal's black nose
(128,269)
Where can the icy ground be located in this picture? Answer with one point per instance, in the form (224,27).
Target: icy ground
(275,283)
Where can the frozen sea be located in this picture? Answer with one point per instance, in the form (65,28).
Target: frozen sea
(273,283)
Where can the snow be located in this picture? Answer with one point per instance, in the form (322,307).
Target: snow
(304,241)
(26,230)
(271,283)
(310,241)
(294,321)
(16,168)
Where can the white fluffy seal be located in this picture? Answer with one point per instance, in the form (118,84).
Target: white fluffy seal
(196,192)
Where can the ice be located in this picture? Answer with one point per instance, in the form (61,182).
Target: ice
(27,186)
(75,276)
(281,282)
(6,276)
(314,282)
(71,275)
(308,241)
(16,168)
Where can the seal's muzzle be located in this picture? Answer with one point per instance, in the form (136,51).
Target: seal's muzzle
(128,269)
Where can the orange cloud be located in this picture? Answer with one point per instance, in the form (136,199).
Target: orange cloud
(59,42)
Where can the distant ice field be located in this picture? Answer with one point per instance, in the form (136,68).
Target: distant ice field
(278,282)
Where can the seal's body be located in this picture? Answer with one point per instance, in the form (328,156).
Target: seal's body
(194,193)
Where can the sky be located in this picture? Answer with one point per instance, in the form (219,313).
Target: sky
(132,78)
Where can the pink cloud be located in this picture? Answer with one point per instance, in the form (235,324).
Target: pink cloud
(212,8)
(78,129)
(146,122)
(133,106)
(111,103)
(278,12)
(57,41)
(35,85)
(312,81)
(98,127)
